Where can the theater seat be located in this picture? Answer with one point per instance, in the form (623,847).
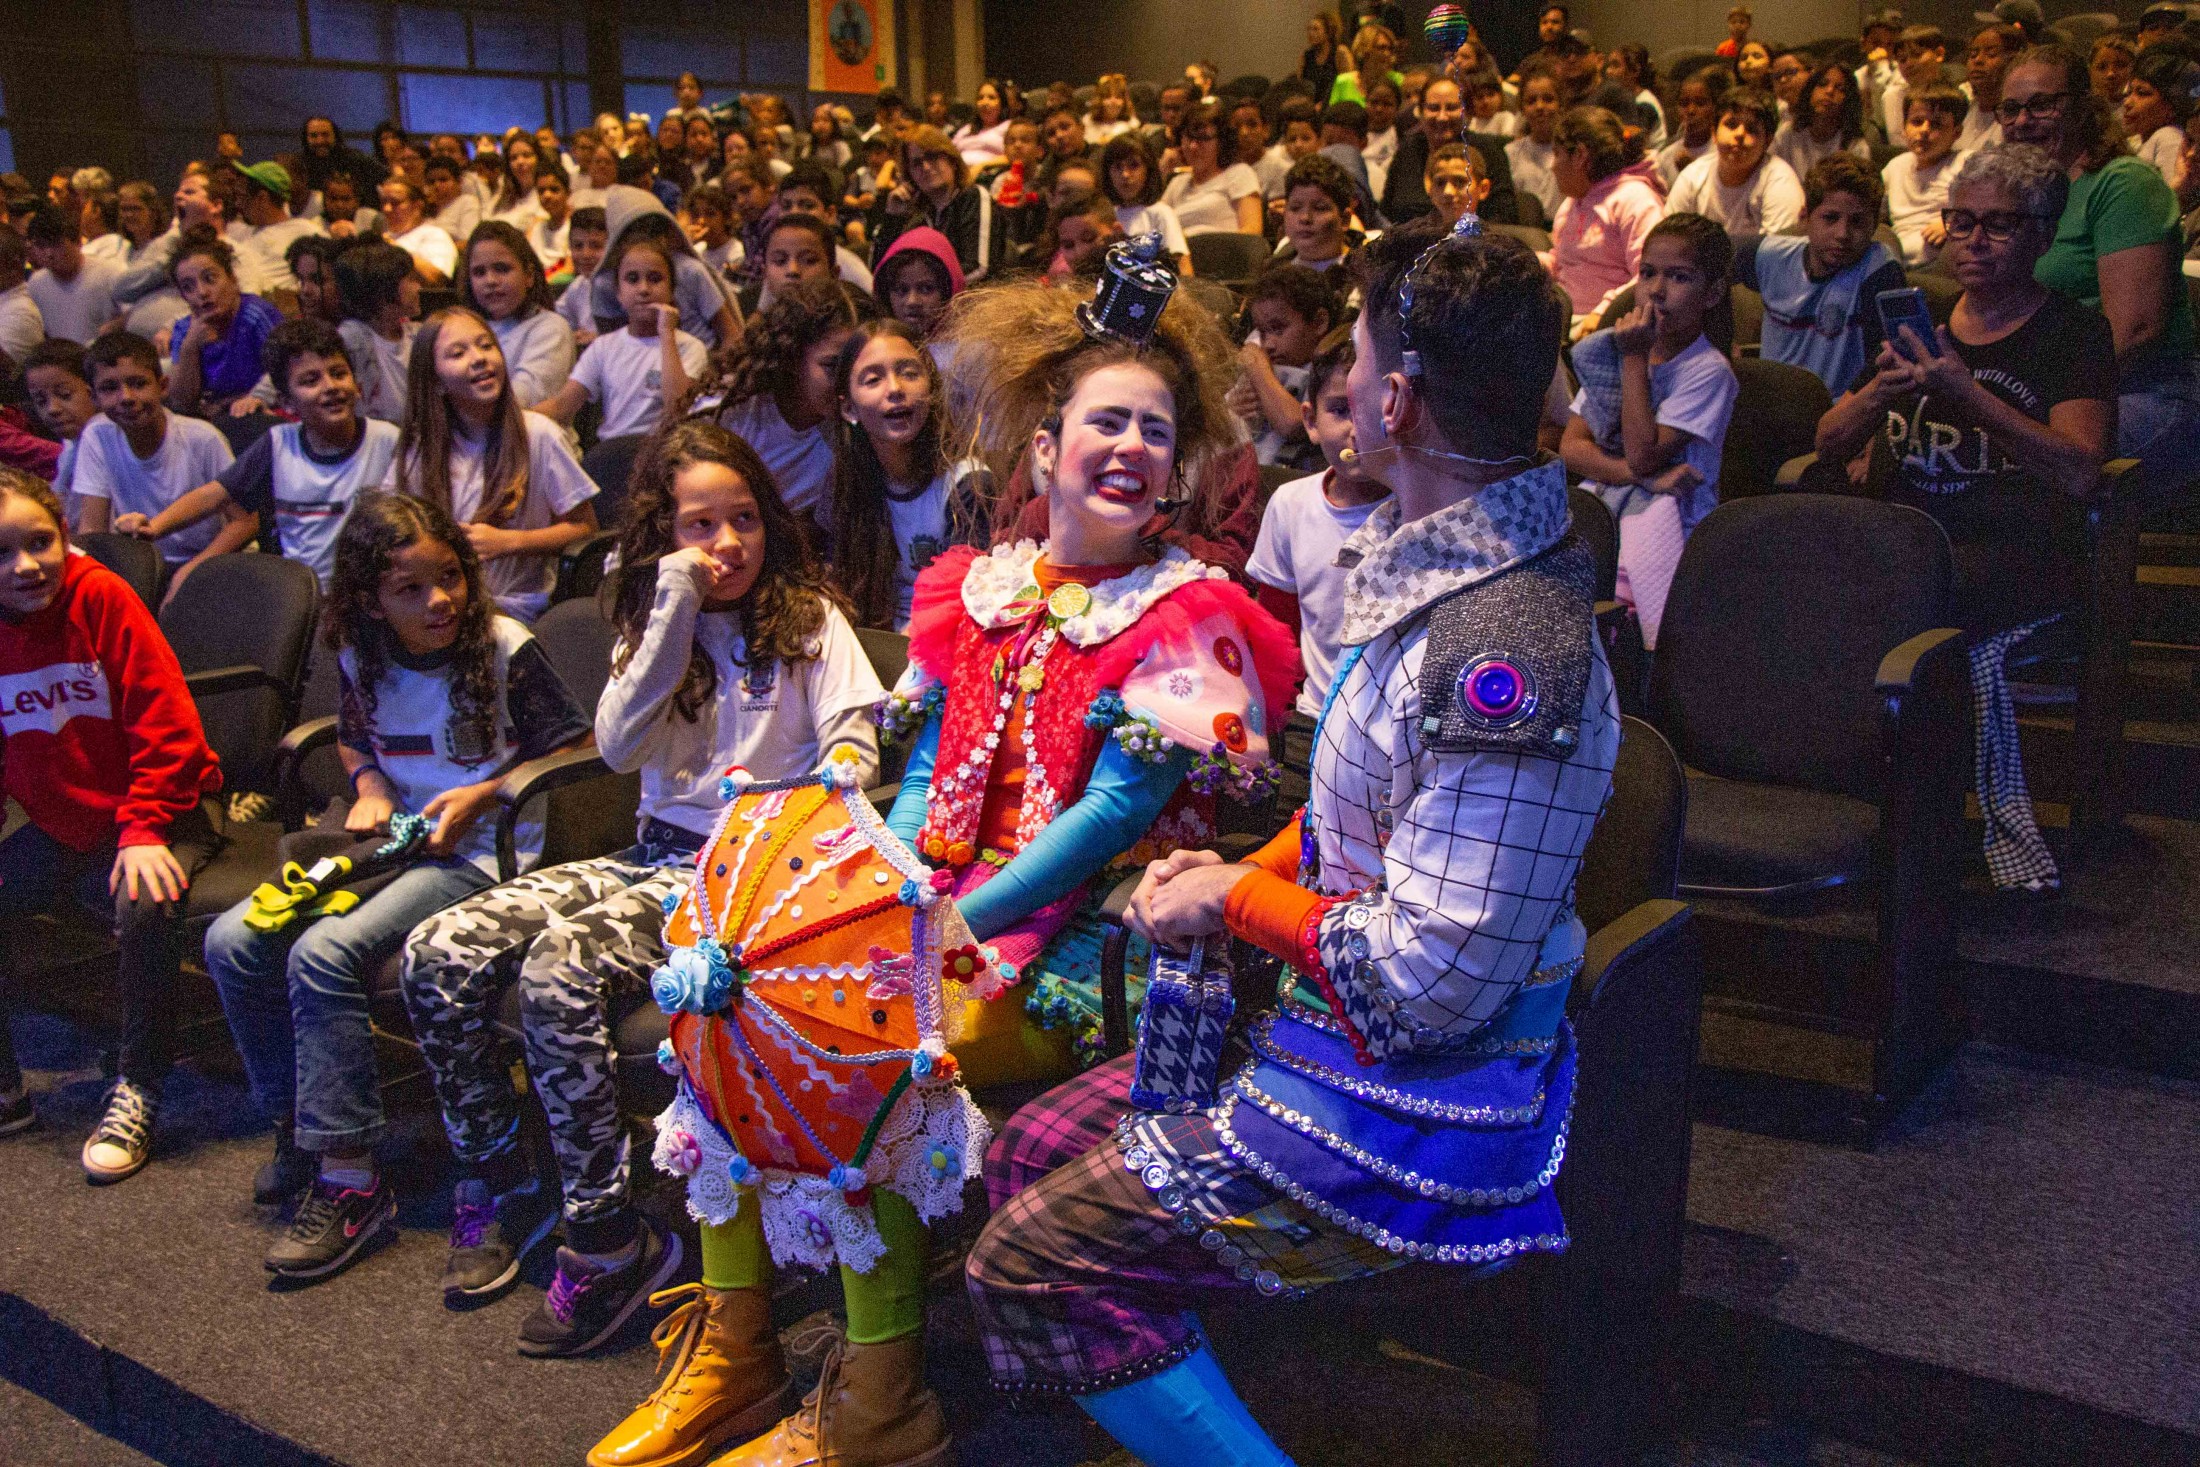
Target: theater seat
(1762,840)
(1806,676)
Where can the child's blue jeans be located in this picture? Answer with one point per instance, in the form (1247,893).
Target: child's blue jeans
(296,1000)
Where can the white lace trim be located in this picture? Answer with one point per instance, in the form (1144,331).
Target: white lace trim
(998,579)
(930,1147)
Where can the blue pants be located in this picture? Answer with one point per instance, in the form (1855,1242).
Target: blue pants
(296,1001)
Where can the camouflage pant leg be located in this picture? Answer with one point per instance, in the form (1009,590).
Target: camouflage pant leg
(566,985)
(456,964)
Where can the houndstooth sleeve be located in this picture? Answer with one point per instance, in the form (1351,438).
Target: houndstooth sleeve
(1462,862)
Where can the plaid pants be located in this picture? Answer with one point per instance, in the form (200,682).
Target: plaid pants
(2016,852)
(1108,1227)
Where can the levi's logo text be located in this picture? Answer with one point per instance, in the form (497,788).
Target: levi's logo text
(45,698)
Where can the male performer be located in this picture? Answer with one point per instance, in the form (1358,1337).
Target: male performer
(1409,1098)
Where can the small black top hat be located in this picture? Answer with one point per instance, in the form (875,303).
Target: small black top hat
(1134,287)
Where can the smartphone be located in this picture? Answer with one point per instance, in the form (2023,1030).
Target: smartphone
(1906,307)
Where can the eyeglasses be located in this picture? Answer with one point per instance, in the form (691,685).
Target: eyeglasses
(2040,106)
(2001,226)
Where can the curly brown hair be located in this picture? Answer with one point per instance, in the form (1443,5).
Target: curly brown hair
(378,527)
(1025,352)
(768,358)
(783,612)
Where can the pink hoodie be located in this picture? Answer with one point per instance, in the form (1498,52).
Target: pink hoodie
(923,239)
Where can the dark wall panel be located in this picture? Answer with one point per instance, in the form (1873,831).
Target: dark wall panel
(470,104)
(350,30)
(277,99)
(218,27)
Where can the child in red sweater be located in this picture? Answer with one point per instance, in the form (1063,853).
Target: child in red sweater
(101,746)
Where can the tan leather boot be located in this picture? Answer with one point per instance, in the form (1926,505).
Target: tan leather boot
(871,1408)
(723,1380)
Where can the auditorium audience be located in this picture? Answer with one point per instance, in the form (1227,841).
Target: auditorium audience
(2116,248)
(802,466)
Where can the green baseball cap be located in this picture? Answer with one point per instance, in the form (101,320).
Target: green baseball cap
(271,176)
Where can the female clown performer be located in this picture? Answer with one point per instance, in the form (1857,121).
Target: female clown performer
(1409,1098)
(1068,704)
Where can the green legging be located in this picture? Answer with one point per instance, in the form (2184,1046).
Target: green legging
(884,1304)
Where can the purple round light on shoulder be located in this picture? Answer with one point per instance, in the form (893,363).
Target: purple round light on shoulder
(1495,691)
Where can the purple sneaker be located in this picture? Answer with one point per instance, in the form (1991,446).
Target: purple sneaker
(491,1236)
(587,1304)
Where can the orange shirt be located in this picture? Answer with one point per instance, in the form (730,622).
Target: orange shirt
(1004,795)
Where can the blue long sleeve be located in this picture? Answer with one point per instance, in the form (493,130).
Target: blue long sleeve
(1120,801)
(906,819)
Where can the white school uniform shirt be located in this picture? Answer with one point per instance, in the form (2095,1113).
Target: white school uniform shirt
(850,267)
(921,531)
(417,743)
(265,250)
(21,327)
(1769,201)
(1381,148)
(2163,150)
(309,497)
(1802,152)
(556,486)
(538,353)
(379,366)
(1210,207)
(801,463)
(76,309)
(1160,219)
(1981,129)
(625,373)
(1675,157)
(765,719)
(548,240)
(1531,170)
(429,244)
(1915,197)
(459,217)
(113,247)
(192,452)
(1296,553)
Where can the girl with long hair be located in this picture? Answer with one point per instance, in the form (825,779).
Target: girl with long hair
(776,389)
(897,500)
(440,696)
(1827,118)
(501,280)
(505,474)
(732,651)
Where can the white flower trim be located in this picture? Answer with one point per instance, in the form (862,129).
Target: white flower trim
(996,581)
(810,1223)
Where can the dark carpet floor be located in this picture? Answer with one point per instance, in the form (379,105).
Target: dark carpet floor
(35,1432)
(2130,912)
(2027,1221)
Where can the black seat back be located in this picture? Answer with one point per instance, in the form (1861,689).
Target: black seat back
(1594,522)
(1635,854)
(581,570)
(1775,419)
(254,611)
(1228,258)
(1779,615)
(610,464)
(578,641)
(889,654)
(135,560)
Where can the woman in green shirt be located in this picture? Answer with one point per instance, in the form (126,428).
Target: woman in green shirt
(1374,57)
(2116,249)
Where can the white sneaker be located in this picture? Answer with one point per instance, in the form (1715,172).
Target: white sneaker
(123,1141)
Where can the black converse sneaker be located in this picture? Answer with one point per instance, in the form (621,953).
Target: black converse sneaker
(16,1114)
(122,1142)
(587,1303)
(491,1236)
(334,1226)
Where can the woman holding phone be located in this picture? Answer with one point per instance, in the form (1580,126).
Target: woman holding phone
(2003,411)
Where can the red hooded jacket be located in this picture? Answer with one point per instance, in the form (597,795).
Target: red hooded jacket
(99,739)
